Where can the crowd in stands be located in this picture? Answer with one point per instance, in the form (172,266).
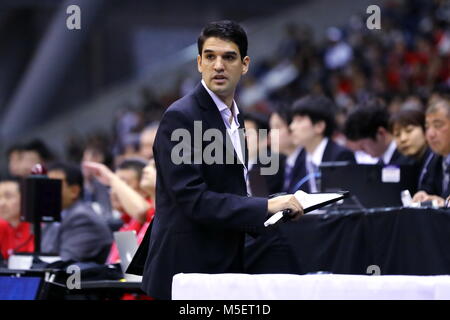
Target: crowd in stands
(363,96)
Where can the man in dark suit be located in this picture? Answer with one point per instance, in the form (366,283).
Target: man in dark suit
(436,173)
(281,142)
(368,127)
(82,234)
(312,127)
(202,207)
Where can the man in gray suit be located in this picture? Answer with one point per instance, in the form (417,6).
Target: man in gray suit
(82,235)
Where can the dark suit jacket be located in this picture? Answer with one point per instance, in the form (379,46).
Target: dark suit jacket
(433,176)
(81,236)
(332,152)
(202,211)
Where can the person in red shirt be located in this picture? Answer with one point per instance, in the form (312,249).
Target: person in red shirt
(127,195)
(15,235)
(148,186)
(130,195)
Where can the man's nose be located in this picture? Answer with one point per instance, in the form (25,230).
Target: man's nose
(218,64)
(291,126)
(403,137)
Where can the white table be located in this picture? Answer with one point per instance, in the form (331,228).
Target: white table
(195,286)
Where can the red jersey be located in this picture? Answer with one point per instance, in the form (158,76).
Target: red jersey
(19,239)
(133,225)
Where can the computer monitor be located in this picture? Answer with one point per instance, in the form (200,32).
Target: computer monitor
(19,288)
(371,186)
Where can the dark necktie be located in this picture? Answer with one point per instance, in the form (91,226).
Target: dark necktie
(312,170)
(287,176)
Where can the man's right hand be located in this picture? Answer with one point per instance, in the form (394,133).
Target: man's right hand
(286,202)
(99,170)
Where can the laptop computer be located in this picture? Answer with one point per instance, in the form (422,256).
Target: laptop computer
(127,245)
(370,186)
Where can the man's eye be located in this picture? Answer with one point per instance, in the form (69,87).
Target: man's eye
(438,125)
(229,58)
(209,56)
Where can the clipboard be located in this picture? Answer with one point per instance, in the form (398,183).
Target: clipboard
(309,202)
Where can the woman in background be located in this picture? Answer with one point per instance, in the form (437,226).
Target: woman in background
(408,129)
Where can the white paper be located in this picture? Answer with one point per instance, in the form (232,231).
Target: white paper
(308,200)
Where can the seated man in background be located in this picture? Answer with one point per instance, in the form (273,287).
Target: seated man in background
(126,195)
(259,157)
(146,140)
(95,191)
(132,208)
(148,186)
(23,157)
(14,156)
(368,127)
(313,124)
(82,235)
(281,143)
(436,180)
(15,236)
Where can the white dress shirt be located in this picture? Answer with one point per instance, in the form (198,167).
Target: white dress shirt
(387,155)
(315,159)
(232,128)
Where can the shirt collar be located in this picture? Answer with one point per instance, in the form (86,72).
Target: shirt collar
(389,152)
(223,108)
(446,161)
(290,160)
(447,158)
(317,155)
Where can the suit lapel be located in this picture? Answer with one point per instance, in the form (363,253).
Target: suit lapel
(394,157)
(328,152)
(299,172)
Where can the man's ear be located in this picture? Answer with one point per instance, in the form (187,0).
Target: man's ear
(199,64)
(320,127)
(245,64)
(381,133)
(75,191)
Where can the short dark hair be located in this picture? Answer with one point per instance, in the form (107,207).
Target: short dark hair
(101,149)
(225,30)
(282,110)
(364,121)
(13,148)
(137,165)
(40,147)
(9,178)
(259,119)
(406,117)
(317,108)
(72,172)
